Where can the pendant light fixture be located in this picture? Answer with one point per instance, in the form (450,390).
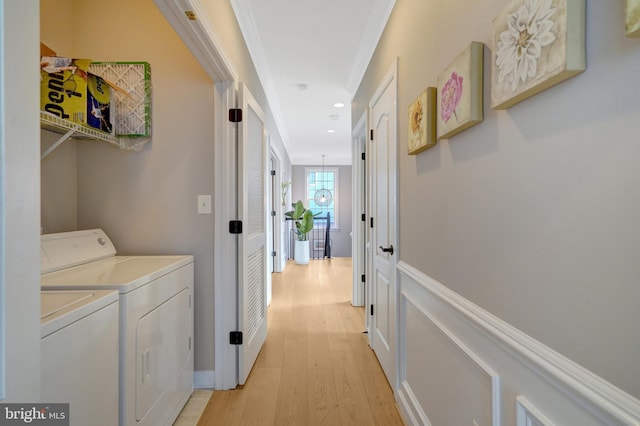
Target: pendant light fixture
(323,196)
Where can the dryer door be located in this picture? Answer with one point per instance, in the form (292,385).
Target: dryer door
(163,352)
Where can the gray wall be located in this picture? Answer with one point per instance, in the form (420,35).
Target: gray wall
(340,238)
(533,214)
(146,201)
(59,185)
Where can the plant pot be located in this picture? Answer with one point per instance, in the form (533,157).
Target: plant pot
(301,252)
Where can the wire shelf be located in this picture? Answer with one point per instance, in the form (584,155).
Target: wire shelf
(56,124)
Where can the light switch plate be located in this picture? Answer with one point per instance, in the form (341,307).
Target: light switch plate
(204,204)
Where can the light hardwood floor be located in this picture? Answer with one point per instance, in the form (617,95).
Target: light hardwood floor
(316,367)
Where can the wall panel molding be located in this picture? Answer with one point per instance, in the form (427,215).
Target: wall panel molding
(567,392)
(492,378)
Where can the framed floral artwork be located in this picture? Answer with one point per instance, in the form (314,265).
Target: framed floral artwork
(536,45)
(460,92)
(632,8)
(422,122)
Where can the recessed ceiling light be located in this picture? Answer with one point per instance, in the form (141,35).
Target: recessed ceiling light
(331,131)
(302,86)
(338,105)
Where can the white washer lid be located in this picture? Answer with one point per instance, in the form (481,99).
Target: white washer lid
(59,309)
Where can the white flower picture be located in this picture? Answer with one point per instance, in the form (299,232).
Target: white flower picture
(520,45)
(632,11)
(536,44)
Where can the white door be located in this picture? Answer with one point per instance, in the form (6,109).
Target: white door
(271,222)
(253,250)
(383,225)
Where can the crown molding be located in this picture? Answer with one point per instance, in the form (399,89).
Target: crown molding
(376,24)
(256,51)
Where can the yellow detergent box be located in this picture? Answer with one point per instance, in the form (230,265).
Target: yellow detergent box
(69,91)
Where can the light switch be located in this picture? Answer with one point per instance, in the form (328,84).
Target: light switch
(204,204)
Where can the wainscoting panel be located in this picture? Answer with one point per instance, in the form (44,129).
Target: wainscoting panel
(434,355)
(460,365)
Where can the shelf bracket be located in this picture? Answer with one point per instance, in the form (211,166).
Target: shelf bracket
(59,141)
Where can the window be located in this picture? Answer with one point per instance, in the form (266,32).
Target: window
(316,180)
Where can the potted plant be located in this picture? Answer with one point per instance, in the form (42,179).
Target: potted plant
(303,221)
(285,189)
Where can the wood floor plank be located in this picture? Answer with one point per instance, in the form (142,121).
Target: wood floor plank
(319,352)
(292,405)
(224,408)
(272,353)
(386,415)
(364,356)
(295,351)
(352,400)
(316,367)
(322,398)
(262,394)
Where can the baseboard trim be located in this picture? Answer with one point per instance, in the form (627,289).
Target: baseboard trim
(204,379)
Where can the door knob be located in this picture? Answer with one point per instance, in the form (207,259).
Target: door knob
(387,249)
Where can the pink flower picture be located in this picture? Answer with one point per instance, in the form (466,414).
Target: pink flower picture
(459,100)
(450,98)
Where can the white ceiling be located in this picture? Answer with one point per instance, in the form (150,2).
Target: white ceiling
(309,55)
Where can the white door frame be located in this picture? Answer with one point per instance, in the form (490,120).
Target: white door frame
(19,203)
(225,244)
(271,208)
(277,230)
(359,135)
(202,40)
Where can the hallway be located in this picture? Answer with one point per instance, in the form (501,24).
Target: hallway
(316,367)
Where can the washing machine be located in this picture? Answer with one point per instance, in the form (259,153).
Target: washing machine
(79,354)
(155,318)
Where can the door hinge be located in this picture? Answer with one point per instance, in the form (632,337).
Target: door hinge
(364,217)
(273,172)
(371,309)
(235,337)
(235,227)
(273,254)
(371,135)
(362,278)
(189,342)
(371,224)
(273,213)
(235,115)
(362,156)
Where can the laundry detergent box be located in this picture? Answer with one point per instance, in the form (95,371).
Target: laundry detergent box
(69,91)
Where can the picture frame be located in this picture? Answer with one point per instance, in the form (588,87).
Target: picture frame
(460,92)
(422,122)
(632,14)
(536,45)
